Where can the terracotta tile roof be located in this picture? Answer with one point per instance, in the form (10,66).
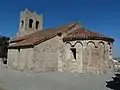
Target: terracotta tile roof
(82,33)
(39,36)
(72,31)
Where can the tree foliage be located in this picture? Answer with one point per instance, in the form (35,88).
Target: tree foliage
(4,40)
(3,46)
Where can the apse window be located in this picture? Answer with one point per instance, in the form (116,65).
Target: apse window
(19,50)
(30,23)
(73,52)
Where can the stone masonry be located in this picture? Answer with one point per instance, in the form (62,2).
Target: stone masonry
(35,50)
(29,23)
(55,55)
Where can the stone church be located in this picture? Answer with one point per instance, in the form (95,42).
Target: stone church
(68,48)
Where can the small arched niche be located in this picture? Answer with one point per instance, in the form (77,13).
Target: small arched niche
(79,56)
(90,48)
(68,51)
(109,49)
(101,48)
(78,46)
(90,56)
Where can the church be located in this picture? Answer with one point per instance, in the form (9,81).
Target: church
(67,48)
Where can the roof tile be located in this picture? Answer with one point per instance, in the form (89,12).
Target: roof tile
(39,36)
(72,31)
(82,33)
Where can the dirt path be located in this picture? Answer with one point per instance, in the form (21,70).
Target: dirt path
(15,80)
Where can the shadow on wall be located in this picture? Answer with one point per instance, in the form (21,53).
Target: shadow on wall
(115,83)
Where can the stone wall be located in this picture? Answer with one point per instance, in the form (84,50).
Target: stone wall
(72,61)
(20,59)
(25,17)
(82,56)
(41,58)
(92,56)
(46,55)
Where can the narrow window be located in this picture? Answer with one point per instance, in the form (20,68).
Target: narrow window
(30,23)
(19,50)
(74,52)
(22,23)
(37,24)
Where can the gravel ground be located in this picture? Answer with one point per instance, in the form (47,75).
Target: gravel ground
(15,80)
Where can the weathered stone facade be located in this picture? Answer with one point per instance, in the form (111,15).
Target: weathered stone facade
(92,56)
(42,57)
(29,23)
(52,53)
(21,59)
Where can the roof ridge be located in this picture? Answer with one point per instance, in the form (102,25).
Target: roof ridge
(40,36)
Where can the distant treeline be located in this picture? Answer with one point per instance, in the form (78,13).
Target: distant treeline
(3,46)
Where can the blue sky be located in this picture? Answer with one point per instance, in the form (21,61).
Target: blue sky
(102,16)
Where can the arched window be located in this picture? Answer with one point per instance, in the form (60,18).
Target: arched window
(37,24)
(22,23)
(30,23)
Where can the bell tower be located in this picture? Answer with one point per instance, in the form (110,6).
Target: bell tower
(29,22)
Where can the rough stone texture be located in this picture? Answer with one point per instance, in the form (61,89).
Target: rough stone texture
(24,28)
(68,60)
(42,58)
(46,55)
(20,59)
(89,56)
(92,56)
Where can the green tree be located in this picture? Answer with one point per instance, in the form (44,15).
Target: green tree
(3,46)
